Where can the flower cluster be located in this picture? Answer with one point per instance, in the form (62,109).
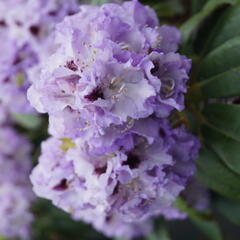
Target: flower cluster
(121,187)
(24,37)
(111,63)
(25,30)
(13,76)
(15,189)
(110,85)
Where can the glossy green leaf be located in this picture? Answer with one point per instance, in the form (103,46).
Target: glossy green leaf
(213,3)
(220,60)
(168,8)
(226,147)
(163,9)
(209,228)
(223,133)
(193,23)
(220,71)
(230,210)
(223,85)
(225,117)
(227,27)
(217,176)
(28,121)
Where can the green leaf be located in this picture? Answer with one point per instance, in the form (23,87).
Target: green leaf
(220,26)
(100,2)
(223,85)
(225,117)
(163,9)
(221,59)
(28,121)
(214,173)
(160,234)
(166,9)
(214,3)
(182,205)
(193,23)
(196,6)
(230,210)
(227,27)
(210,229)
(222,132)
(226,147)
(220,71)
(204,222)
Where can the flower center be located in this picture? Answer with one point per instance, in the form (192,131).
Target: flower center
(133,161)
(167,88)
(35,30)
(63,185)
(95,94)
(71,65)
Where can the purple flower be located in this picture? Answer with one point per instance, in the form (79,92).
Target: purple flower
(111,81)
(31,21)
(14,157)
(24,38)
(115,226)
(15,189)
(14,80)
(130,185)
(16,218)
(197,195)
(172,69)
(110,64)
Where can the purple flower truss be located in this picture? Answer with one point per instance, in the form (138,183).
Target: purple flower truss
(24,38)
(109,86)
(15,188)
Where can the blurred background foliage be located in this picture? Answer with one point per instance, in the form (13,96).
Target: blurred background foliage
(211,37)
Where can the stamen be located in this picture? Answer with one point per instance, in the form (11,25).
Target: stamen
(168,86)
(67,144)
(130,124)
(124,46)
(114,82)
